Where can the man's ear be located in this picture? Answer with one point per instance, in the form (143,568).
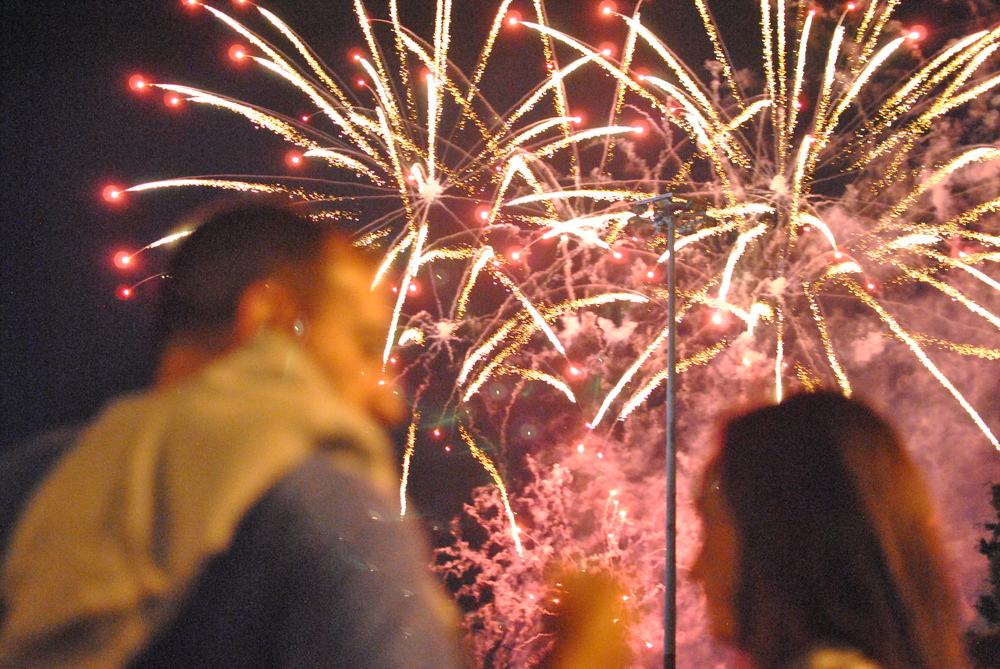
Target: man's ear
(270,304)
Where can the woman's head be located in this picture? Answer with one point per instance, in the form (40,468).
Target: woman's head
(830,539)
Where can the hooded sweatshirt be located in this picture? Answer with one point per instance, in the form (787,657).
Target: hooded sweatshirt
(114,539)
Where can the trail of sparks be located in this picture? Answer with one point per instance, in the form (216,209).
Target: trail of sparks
(780,178)
(411,444)
(465,182)
(488,465)
(905,337)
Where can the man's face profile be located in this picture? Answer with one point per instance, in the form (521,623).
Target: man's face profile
(345,331)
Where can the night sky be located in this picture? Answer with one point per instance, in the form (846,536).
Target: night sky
(70,126)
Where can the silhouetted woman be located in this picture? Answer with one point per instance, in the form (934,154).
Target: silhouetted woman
(820,548)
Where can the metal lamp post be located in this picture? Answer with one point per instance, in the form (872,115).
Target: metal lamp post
(663,209)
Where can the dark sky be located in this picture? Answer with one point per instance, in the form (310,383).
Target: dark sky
(70,126)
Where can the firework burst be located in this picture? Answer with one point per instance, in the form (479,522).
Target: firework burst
(813,204)
(813,188)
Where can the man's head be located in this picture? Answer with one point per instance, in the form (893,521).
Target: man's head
(253,267)
(228,252)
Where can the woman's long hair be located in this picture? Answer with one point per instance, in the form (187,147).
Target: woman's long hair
(837,543)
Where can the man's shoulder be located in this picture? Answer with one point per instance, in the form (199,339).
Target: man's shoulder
(322,571)
(326,507)
(323,478)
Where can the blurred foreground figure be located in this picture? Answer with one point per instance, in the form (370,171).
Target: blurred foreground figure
(241,513)
(588,626)
(820,549)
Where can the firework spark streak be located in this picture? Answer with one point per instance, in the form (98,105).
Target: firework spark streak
(809,200)
(787,171)
(402,151)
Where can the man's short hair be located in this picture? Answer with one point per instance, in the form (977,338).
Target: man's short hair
(229,251)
